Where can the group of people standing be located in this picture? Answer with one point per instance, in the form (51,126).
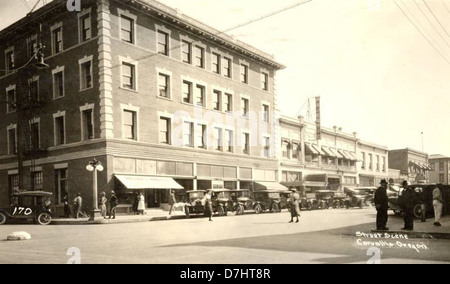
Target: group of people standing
(78,203)
(139,204)
(408,200)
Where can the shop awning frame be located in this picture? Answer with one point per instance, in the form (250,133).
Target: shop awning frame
(353,156)
(328,152)
(134,182)
(318,149)
(266,185)
(338,155)
(345,154)
(308,147)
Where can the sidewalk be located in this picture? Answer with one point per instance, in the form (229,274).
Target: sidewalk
(421,230)
(151,215)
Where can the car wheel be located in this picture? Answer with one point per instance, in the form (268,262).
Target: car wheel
(309,206)
(418,211)
(240,210)
(2,218)
(44,219)
(220,211)
(275,208)
(187,211)
(258,209)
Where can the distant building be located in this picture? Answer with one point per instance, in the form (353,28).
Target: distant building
(413,164)
(373,163)
(440,169)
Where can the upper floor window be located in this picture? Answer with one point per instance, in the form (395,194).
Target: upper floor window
(266,141)
(86,73)
(9,60)
(128,76)
(32,45)
(12,141)
(34,136)
(60,131)
(245,105)
(164,130)
(87,117)
(186,52)
(370,162)
(11,103)
(265,81)
(218,138)
(85,27)
(199,57)
(164,85)
(57,39)
(188,128)
(363,156)
(126,29)
(129,125)
(229,141)
(441,166)
(228,102)
(200,95)
(266,113)
(58,83)
(246,143)
(200,136)
(163,43)
(227,64)
(217,100)
(216,63)
(187,92)
(244,73)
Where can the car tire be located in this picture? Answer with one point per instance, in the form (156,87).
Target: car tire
(187,212)
(3,218)
(220,211)
(44,219)
(309,206)
(258,209)
(418,211)
(240,210)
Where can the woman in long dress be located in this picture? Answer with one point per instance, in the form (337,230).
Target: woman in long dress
(141,204)
(103,202)
(295,206)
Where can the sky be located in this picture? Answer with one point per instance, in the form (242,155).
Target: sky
(379,72)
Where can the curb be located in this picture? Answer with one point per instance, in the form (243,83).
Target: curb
(116,221)
(418,235)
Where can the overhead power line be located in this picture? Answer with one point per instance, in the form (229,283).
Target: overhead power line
(423,35)
(26,5)
(434,15)
(434,27)
(235,27)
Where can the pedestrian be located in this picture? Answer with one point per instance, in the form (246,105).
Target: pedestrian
(409,200)
(67,211)
(207,202)
(141,204)
(381,204)
(438,203)
(113,202)
(78,202)
(136,203)
(103,201)
(294,205)
(172,201)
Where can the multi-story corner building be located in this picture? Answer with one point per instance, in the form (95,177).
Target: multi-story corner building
(157,97)
(311,163)
(440,169)
(374,163)
(332,160)
(412,164)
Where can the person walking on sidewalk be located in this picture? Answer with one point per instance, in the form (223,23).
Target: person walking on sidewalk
(78,202)
(207,202)
(381,204)
(141,204)
(294,206)
(103,200)
(113,202)
(67,211)
(409,200)
(438,202)
(172,201)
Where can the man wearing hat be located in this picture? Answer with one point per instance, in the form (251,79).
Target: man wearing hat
(381,203)
(113,202)
(409,200)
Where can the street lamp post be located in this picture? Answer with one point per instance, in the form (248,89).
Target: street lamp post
(95,166)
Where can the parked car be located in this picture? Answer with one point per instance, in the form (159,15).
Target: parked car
(425,196)
(356,197)
(339,200)
(267,200)
(242,200)
(193,203)
(309,202)
(29,205)
(325,198)
(221,200)
(284,201)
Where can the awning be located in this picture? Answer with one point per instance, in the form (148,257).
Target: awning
(311,150)
(270,186)
(148,182)
(336,153)
(314,184)
(345,154)
(328,152)
(353,156)
(318,150)
(317,178)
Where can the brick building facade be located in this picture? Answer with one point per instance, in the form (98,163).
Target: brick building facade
(154,95)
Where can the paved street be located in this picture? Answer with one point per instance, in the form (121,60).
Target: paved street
(321,237)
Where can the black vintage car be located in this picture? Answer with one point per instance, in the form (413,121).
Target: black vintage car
(194,203)
(242,200)
(28,205)
(267,200)
(424,197)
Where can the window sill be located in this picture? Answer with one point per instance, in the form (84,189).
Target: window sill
(129,90)
(164,98)
(86,89)
(58,98)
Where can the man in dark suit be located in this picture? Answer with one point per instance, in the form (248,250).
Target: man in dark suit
(381,203)
(409,200)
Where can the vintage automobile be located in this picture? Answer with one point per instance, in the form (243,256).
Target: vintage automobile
(424,197)
(241,200)
(356,197)
(28,205)
(308,202)
(325,198)
(267,200)
(194,203)
(221,200)
(339,200)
